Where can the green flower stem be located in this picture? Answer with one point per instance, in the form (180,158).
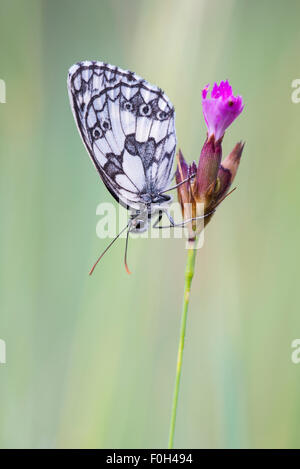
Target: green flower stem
(189,273)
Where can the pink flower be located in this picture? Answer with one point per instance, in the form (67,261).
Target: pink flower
(221,109)
(212,177)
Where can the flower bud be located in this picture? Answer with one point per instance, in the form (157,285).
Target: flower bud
(182,173)
(207,171)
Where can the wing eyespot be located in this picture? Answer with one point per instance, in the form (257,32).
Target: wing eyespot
(105,125)
(145,110)
(161,115)
(128,106)
(96,132)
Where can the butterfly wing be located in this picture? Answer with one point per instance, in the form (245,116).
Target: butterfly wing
(127,126)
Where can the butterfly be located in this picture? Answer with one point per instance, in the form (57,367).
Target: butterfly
(128,128)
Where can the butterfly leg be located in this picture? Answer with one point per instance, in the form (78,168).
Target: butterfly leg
(172,224)
(158,220)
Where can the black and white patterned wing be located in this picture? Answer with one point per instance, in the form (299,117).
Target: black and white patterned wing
(127,126)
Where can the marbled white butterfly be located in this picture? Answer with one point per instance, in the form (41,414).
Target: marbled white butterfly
(128,128)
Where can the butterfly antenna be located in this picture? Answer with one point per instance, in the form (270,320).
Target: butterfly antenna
(107,248)
(225,196)
(179,184)
(125,256)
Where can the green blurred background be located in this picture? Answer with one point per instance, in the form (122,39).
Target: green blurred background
(91,361)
